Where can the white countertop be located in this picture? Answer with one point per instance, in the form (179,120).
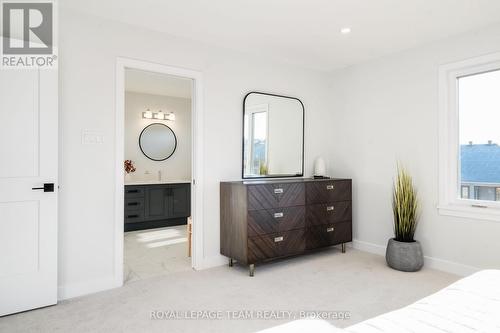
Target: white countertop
(157,182)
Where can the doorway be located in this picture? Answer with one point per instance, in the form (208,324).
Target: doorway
(159,170)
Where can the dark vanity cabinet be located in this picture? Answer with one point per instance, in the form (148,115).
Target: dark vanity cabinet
(156,205)
(268,219)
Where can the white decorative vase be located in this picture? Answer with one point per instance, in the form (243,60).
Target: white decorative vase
(128,176)
(319,167)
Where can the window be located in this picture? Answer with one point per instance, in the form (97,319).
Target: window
(470,138)
(479,132)
(255,132)
(465,192)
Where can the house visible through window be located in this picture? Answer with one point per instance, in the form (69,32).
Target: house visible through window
(479,135)
(465,192)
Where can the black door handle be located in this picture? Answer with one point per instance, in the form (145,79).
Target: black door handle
(47,187)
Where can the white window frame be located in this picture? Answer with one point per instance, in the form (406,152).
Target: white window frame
(449,145)
(250,112)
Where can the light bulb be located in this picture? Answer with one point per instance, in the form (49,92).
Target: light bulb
(345,30)
(160,115)
(147,114)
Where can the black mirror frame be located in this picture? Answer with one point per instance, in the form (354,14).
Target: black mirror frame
(243,138)
(175,139)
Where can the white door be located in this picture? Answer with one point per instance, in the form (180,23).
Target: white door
(28,216)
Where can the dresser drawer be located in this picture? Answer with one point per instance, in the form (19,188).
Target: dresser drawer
(328,213)
(134,204)
(134,216)
(265,196)
(261,222)
(261,248)
(329,234)
(328,191)
(134,192)
(294,242)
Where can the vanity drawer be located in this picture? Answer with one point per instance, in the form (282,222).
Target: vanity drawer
(281,244)
(329,234)
(261,222)
(328,191)
(134,192)
(329,213)
(265,196)
(134,216)
(134,204)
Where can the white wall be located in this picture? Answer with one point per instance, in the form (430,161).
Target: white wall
(177,166)
(88,51)
(387,110)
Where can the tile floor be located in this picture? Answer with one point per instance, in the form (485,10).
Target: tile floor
(154,252)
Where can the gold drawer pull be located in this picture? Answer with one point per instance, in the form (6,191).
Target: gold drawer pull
(276,215)
(278,239)
(329,187)
(330,229)
(278,190)
(329,208)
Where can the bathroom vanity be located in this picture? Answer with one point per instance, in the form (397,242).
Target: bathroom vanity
(156,204)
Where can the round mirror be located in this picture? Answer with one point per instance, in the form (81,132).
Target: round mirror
(157,142)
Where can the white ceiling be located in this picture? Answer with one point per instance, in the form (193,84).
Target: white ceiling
(303,32)
(157,84)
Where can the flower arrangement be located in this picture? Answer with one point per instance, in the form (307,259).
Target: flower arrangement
(129,166)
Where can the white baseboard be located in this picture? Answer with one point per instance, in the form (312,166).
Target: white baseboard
(87,287)
(368,247)
(450,266)
(94,286)
(430,262)
(213,261)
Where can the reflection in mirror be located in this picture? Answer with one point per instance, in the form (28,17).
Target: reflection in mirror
(157,142)
(273,136)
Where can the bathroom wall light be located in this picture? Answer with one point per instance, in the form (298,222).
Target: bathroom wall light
(345,31)
(147,114)
(170,116)
(159,115)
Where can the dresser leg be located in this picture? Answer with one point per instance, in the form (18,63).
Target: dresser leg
(251,269)
(343,247)
(230,262)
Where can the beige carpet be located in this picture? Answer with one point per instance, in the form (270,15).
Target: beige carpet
(357,282)
(154,252)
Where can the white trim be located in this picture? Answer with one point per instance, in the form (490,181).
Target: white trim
(429,262)
(449,202)
(213,261)
(197,156)
(250,112)
(85,288)
(368,247)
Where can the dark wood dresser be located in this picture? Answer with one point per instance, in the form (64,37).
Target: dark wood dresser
(268,219)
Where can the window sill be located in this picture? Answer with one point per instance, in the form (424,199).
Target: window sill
(466,211)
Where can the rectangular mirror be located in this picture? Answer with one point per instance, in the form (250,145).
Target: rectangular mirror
(273,136)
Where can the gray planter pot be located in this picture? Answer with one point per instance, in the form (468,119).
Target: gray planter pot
(406,257)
